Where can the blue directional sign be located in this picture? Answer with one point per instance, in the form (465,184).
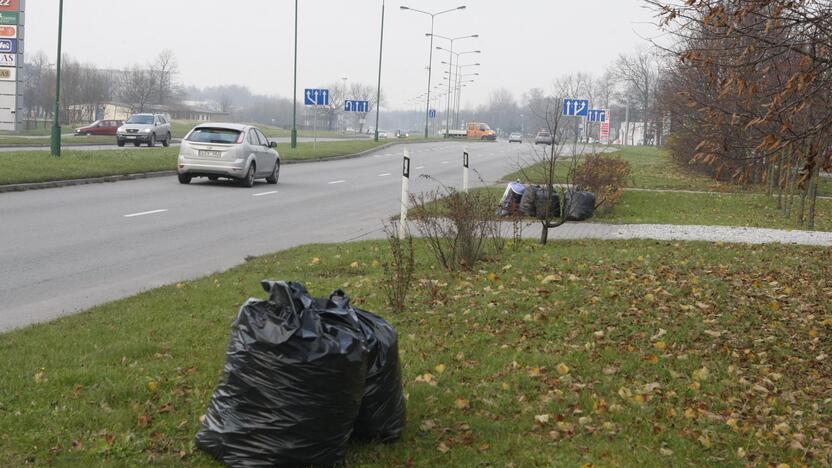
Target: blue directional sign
(357,106)
(316,97)
(8,46)
(597,115)
(432,113)
(576,107)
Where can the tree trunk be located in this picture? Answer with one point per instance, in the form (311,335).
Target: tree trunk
(813,196)
(780,184)
(770,190)
(544,234)
(801,210)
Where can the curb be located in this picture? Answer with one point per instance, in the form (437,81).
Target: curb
(72,145)
(149,175)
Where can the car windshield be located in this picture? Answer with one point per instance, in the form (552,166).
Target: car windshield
(141,119)
(214,135)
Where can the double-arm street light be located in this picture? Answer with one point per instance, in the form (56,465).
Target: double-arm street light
(459,70)
(430,55)
(450,69)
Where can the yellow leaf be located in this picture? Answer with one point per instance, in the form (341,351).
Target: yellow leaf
(535,372)
(563,369)
(625,393)
(565,426)
(505,386)
(782,428)
(491,276)
(551,279)
(638,399)
(40,376)
(153,386)
(701,374)
(666,451)
(741,452)
(649,297)
(462,404)
(354,265)
(440,369)
(316,261)
(376,264)
(690,413)
(180,285)
(705,441)
(542,418)
(660,345)
(732,423)
(442,447)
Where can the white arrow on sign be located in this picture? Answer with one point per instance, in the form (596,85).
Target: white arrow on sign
(579,107)
(325,95)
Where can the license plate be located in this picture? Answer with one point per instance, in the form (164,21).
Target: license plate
(130,137)
(209,154)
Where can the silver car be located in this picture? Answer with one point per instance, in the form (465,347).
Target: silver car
(234,151)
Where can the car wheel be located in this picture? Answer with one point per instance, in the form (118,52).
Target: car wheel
(184,179)
(166,141)
(272,179)
(120,143)
(152,142)
(248,180)
(136,144)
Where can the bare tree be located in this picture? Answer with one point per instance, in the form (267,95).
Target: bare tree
(640,73)
(164,69)
(138,86)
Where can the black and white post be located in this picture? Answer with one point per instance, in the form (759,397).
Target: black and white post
(465,170)
(405,193)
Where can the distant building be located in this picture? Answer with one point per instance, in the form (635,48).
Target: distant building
(121,111)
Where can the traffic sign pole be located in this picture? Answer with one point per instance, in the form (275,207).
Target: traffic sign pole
(295,98)
(465,169)
(378,88)
(405,193)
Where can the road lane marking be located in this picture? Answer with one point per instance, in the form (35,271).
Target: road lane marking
(337,182)
(420,167)
(264,193)
(444,162)
(144,213)
(384,175)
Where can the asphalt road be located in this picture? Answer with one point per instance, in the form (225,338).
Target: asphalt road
(65,250)
(17,149)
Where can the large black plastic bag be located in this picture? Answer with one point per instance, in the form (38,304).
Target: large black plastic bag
(383,410)
(292,385)
(581,205)
(540,209)
(527,202)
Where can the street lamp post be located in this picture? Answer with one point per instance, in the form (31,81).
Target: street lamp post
(56,117)
(459,67)
(378,88)
(295,99)
(430,55)
(450,70)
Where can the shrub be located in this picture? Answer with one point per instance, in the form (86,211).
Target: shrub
(398,268)
(605,176)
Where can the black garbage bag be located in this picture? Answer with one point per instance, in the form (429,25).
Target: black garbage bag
(511,198)
(541,198)
(292,384)
(527,202)
(581,205)
(383,410)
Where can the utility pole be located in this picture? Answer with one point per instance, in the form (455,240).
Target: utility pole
(295,99)
(56,117)
(378,88)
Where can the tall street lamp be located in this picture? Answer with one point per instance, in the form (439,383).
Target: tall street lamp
(458,55)
(378,88)
(295,99)
(430,55)
(56,117)
(450,68)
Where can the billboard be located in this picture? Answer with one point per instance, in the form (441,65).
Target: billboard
(9,5)
(9,17)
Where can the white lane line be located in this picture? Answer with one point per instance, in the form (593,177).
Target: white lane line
(264,193)
(420,167)
(444,162)
(143,213)
(384,175)
(337,182)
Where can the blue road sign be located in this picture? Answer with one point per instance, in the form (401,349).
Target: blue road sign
(316,97)
(357,106)
(432,113)
(575,107)
(598,115)
(8,46)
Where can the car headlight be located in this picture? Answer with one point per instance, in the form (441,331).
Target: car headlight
(147,130)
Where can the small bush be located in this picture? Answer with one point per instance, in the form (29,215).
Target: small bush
(398,268)
(457,225)
(605,176)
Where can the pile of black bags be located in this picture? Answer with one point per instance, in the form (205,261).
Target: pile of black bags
(539,202)
(303,376)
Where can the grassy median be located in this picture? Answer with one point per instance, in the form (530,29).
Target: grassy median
(40,166)
(606,353)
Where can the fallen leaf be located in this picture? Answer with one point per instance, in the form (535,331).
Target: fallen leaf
(462,404)
(701,374)
(542,418)
(563,369)
(354,265)
(316,261)
(660,345)
(666,451)
(440,369)
(442,447)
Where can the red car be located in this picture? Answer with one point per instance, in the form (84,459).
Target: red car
(100,127)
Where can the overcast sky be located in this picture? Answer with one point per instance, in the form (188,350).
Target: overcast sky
(524,43)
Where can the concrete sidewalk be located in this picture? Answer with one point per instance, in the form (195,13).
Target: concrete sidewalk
(668,232)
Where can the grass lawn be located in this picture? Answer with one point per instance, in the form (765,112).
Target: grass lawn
(724,209)
(608,353)
(72,140)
